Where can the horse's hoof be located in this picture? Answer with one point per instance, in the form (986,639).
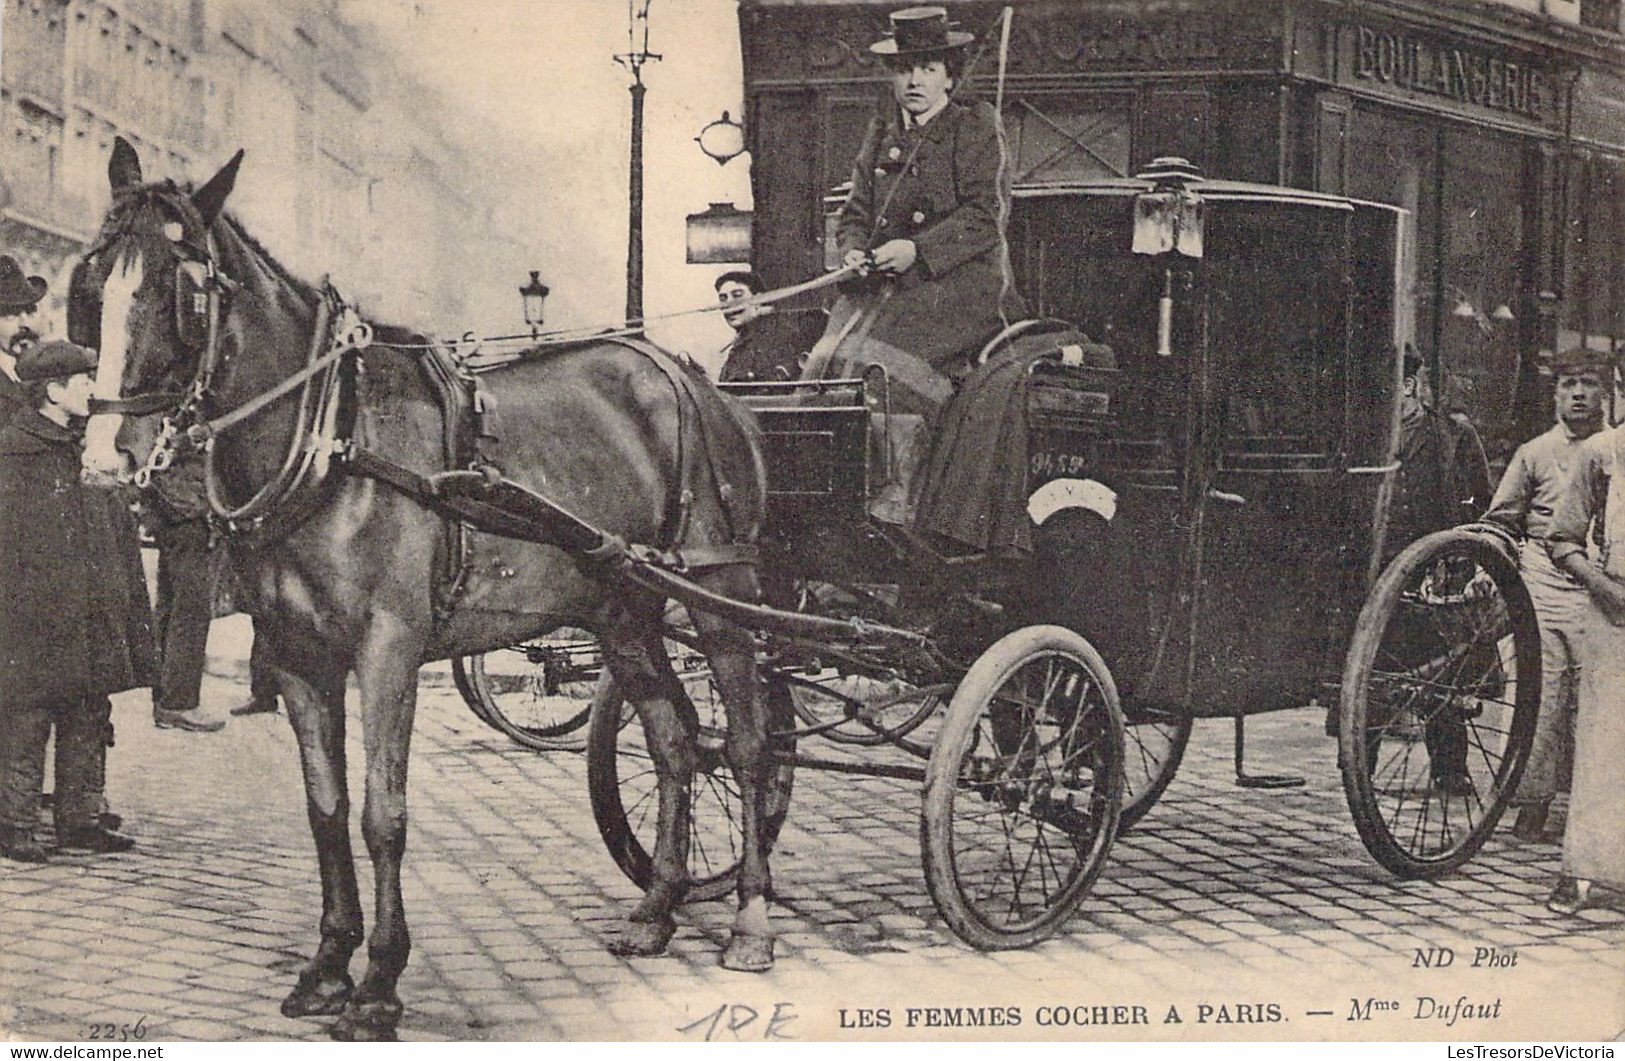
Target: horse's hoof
(643,939)
(748,953)
(367,1022)
(317,996)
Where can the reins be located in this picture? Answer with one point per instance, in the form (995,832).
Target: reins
(635,325)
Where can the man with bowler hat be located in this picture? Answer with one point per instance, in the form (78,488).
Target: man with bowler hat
(74,620)
(19,296)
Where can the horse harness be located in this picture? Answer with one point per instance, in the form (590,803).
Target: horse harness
(474,493)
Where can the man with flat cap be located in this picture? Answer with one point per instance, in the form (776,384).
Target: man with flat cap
(19,297)
(1524,504)
(1586,540)
(74,620)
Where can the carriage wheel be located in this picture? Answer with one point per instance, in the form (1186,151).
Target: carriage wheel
(1024,788)
(510,692)
(621,784)
(1153,745)
(465,689)
(1440,690)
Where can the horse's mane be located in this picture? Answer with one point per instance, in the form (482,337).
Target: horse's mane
(175,199)
(306,291)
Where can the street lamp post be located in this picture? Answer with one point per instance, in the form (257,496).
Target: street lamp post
(637,53)
(534,296)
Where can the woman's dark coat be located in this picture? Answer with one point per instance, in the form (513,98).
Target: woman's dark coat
(939,187)
(74,614)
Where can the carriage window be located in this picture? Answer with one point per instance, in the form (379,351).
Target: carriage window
(1276,306)
(1072,262)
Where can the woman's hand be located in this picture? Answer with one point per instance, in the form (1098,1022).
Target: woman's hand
(856,259)
(895,256)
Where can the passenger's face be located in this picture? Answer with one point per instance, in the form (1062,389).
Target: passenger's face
(1580,398)
(733,291)
(922,85)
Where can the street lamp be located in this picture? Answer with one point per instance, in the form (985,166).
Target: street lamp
(534,294)
(637,53)
(722,140)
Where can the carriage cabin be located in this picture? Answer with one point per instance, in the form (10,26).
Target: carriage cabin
(1246,441)
(1400,193)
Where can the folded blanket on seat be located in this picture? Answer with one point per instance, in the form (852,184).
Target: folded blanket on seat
(972,494)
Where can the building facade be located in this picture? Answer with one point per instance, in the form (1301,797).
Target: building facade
(346,158)
(1499,125)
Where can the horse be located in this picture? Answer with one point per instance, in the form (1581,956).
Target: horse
(197,321)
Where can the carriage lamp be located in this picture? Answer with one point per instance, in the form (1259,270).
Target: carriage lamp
(534,293)
(722,140)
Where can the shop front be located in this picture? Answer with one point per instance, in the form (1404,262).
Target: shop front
(1503,133)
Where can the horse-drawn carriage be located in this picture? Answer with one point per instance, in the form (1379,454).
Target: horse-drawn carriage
(1213,502)
(1209,505)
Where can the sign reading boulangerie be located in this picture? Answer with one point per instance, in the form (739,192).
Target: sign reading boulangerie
(1507,82)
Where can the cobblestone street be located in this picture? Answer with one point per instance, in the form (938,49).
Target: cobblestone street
(1250,913)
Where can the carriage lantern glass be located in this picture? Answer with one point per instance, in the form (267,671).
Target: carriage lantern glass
(534,293)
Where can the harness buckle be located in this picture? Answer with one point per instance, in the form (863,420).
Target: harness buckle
(351,332)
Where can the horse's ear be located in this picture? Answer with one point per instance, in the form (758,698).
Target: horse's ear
(210,198)
(124,169)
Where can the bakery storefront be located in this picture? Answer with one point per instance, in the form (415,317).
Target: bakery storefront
(1503,131)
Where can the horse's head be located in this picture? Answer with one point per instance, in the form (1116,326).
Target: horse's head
(147,295)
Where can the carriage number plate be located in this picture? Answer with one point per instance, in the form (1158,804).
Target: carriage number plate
(1048,464)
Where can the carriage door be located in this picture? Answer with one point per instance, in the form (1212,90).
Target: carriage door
(1275,293)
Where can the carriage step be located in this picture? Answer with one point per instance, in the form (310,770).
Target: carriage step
(1246,780)
(837,766)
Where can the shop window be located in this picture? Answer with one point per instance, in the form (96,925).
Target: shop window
(1482,270)
(1593,312)
(1049,138)
(1067,139)
(845,122)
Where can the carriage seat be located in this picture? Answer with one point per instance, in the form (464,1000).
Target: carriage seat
(815,445)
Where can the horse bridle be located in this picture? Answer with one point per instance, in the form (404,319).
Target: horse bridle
(202,292)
